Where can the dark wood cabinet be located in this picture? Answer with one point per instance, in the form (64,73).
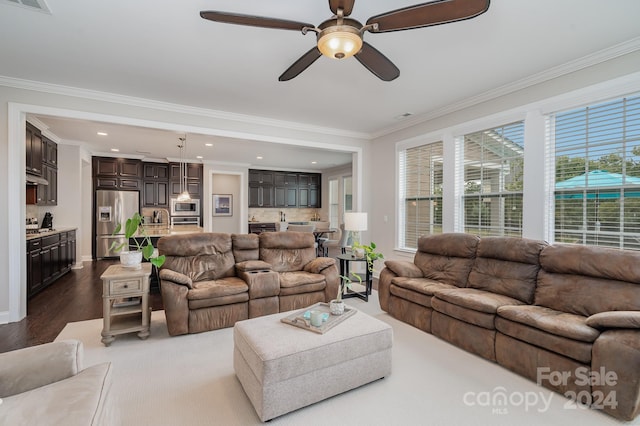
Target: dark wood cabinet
(48,258)
(117,173)
(193,171)
(50,152)
(156,171)
(34,266)
(284,189)
(34,150)
(155,194)
(193,182)
(48,194)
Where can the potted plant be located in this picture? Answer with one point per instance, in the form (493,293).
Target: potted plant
(336,306)
(369,252)
(143,247)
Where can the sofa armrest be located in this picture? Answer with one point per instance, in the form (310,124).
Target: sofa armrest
(615,319)
(175,277)
(36,366)
(403,268)
(252,265)
(317,265)
(176,306)
(615,358)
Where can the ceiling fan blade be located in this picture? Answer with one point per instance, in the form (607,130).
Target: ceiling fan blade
(253,21)
(345,5)
(301,64)
(428,14)
(377,63)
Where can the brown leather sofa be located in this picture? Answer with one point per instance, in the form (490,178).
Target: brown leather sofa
(212,280)
(539,310)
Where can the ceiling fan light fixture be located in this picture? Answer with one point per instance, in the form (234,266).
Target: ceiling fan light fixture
(339,41)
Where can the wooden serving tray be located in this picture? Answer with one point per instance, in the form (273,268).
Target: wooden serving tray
(297,318)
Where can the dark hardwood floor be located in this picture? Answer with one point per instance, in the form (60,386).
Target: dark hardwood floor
(77,296)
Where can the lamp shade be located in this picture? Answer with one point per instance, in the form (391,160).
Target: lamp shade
(355,221)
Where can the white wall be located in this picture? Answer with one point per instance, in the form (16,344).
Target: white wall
(226,184)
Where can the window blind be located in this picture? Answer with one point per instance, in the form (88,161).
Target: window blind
(597,174)
(420,191)
(492,172)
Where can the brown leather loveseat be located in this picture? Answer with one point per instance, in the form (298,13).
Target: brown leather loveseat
(212,280)
(539,310)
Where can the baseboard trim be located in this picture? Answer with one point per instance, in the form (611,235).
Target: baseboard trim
(4,317)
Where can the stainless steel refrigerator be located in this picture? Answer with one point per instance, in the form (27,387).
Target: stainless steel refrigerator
(113,207)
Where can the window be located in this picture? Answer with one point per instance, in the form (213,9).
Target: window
(420,193)
(334,207)
(348,193)
(597,174)
(493,170)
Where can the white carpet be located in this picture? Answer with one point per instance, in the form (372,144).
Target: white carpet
(189,380)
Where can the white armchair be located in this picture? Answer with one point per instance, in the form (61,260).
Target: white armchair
(46,384)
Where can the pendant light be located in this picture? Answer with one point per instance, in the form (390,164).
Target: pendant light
(184,194)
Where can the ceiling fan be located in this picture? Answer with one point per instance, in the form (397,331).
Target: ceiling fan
(341,37)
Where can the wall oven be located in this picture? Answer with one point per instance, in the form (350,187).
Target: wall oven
(185,208)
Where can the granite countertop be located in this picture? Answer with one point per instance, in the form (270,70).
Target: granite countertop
(46,234)
(158,231)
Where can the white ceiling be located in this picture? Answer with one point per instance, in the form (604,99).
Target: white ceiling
(162,50)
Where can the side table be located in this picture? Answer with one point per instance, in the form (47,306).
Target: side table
(125,301)
(345,261)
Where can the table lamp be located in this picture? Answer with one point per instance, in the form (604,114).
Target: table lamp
(355,222)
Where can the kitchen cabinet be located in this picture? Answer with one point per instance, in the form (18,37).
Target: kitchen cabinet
(156,171)
(309,190)
(155,194)
(34,266)
(269,188)
(194,188)
(48,194)
(48,258)
(50,152)
(35,150)
(194,174)
(155,185)
(261,189)
(117,173)
(286,189)
(194,171)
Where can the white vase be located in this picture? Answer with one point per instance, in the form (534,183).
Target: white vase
(336,307)
(131,259)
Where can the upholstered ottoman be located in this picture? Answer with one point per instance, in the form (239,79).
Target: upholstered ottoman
(283,368)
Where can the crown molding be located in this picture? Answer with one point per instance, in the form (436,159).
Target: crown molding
(596,58)
(57,89)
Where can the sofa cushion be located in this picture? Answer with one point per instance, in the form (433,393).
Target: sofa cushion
(551,321)
(507,266)
(201,257)
(477,300)
(615,319)
(577,350)
(245,247)
(446,258)
(287,251)
(587,280)
(217,288)
(469,316)
(218,301)
(300,282)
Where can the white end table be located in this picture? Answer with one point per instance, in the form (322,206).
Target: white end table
(125,301)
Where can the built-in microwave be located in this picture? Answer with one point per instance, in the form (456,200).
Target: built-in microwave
(185,208)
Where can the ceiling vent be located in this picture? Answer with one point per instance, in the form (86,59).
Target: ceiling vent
(39,5)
